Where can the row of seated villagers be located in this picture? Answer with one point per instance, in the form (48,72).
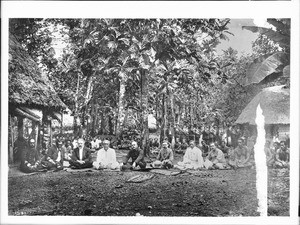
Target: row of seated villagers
(79,157)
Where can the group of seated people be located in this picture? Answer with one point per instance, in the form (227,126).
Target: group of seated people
(33,160)
(79,156)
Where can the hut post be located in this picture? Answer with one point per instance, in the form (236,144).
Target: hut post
(34,132)
(20,126)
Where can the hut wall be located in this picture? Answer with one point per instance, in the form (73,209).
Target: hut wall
(283,130)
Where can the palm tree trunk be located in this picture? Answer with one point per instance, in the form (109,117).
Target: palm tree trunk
(173,120)
(144,108)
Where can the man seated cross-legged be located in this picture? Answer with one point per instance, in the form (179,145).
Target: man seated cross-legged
(30,158)
(53,159)
(243,155)
(164,158)
(137,158)
(81,156)
(192,158)
(282,156)
(215,158)
(106,158)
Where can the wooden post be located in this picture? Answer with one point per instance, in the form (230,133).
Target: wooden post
(20,127)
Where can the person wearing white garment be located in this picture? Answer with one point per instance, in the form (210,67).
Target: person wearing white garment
(106,158)
(192,158)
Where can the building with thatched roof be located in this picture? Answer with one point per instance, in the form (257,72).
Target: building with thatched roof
(31,94)
(28,86)
(275,104)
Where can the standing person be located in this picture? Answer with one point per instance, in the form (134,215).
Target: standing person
(165,157)
(212,138)
(192,158)
(204,135)
(234,137)
(106,158)
(282,156)
(30,158)
(81,157)
(215,158)
(137,158)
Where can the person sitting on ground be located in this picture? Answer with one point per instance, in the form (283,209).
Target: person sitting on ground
(165,157)
(269,154)
(224,148)
(212,138)
(95,144)
(155,143)
(204,148)
(184,145)
(106,158)
(54,157)
(155,147)
(282,156)
(232,158)
(215,158)
(137,158)
(192,158)
(68,151)
(30,158)
(151,141)
(243,154)
(81,157)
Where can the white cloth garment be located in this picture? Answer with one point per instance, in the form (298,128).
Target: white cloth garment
(106,159)
(80,153)
(58,156)
(192,159)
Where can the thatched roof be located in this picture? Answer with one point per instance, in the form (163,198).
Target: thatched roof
(275,103)
(27,84)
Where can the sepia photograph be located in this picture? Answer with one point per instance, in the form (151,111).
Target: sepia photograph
(149,117)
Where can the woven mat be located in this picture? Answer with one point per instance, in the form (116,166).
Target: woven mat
(166,172)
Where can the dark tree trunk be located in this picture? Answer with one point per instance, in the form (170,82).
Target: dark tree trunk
(144,108)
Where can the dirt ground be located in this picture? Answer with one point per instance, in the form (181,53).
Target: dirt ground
(98,193)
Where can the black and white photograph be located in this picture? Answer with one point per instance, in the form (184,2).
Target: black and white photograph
(149,117)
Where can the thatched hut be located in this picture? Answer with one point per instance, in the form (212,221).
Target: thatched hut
(275,103)
(31,94)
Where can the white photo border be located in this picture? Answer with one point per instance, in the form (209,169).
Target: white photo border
(155,9)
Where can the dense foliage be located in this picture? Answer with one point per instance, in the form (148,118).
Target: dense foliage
(113,73)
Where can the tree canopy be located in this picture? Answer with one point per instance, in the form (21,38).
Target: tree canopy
(113,73)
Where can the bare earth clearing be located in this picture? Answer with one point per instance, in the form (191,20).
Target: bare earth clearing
(207,193)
